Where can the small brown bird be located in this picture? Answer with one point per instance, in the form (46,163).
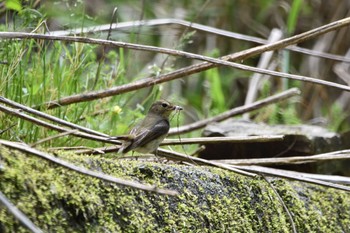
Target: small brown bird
(146,136)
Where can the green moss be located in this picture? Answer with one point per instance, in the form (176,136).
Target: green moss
(210,200)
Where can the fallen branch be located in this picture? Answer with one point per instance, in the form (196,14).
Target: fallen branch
(336,155)
(172,155)
(189,25)
(55,127)
(49,117)
(183,141)
(214,140)
(293,176)
(194,160)
(21,217)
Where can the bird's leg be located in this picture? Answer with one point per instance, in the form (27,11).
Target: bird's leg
(132,154)
(156,155)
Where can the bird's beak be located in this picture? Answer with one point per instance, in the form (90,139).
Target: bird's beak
(178,108)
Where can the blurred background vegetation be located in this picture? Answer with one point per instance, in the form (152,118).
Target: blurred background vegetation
(35,71)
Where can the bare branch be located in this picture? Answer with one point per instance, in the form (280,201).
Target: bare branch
(53,137)
(342,154)
(235,111)
(55,127)
(49,117)
(21,217)
(214,140)
(172,155)
(190,25)
(293,176)
(183,141)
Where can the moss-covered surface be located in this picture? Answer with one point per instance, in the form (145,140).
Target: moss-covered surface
(210,200)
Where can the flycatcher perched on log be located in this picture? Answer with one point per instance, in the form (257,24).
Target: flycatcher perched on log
(146,136)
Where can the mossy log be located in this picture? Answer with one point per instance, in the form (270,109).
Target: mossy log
(210,199)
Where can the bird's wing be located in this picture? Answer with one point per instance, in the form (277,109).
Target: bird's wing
(145,136)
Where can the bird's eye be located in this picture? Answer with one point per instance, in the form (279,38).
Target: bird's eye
(164,105)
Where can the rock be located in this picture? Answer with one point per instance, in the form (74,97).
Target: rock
(210,199)
(299,140)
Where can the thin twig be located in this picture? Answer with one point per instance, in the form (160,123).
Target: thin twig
(68,148)
(186,158)
(329,178)
(21,217)
(293,176)
(100,61)
(196,26)
(283,204)
(236,111)
(255,81)
(49,117)
(184,141)
(335,155)
(96,151)
(85,171)
(180,73)
(214,140)
(55,127)
(173,156)
(53,137)
(8,128)
(198,150)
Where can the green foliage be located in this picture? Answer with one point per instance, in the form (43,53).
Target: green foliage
(280,113)
(216,91)
(293,15)
(39,71)
(339,119)
(13,5)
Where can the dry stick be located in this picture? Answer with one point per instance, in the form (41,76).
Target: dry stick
(191,69)
(304,177)
(55,127)
(86,171)
(7,129)
(283,204)
(101,60)
(286,174)
(256,79)
(21,217)
(53,137)
(204,66)
(183,141)
(328,178)
(68,148)
(191,25)
(186,158)
(291,40)
(235,111)
(180,73)
(49,117)
(198,150)
(95,151)
(214,140)
(342,154)
(173,156)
